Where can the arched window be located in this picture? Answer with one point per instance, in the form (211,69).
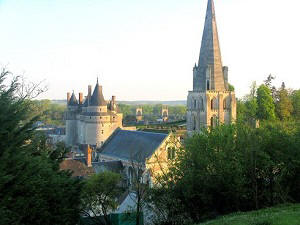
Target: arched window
(226,103)
(194,123)
(213,122)
(201,106)
(171,153)
(214,104)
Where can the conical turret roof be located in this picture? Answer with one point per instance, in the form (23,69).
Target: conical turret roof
(210,53)
(73,100)
(97,98)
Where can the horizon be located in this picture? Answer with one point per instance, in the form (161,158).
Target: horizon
(137,55)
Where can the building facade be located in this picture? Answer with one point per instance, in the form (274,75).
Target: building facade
(148,152)
(211,102)
(91,120)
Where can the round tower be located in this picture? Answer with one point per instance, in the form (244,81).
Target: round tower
(71,121)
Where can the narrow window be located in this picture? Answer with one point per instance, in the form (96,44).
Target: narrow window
(208,86)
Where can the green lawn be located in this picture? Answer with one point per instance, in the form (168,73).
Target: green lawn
(281,215)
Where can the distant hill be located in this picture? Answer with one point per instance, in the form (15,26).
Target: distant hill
(171,103)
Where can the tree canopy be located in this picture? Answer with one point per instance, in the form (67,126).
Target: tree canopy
(32,188)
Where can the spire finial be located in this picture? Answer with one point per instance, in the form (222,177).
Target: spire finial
(97,80)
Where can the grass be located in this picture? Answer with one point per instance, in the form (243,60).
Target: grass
(281,215)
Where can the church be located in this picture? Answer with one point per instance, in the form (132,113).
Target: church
(212,101)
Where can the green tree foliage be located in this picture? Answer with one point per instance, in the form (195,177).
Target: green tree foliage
(99,196)
(296,104)
(231,87)
(126,110)
(151,112)
(231,168)
(284,106)
(50,113)
(247,108)
(32,189)
(265,104)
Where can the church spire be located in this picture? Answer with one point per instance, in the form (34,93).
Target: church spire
(210,70)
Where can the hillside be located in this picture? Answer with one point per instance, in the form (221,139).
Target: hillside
(281,215)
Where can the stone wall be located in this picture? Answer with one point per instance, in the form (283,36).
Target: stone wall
(203,107)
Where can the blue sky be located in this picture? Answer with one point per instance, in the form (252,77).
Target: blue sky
(145,49)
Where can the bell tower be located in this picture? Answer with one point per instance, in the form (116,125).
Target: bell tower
(211,102)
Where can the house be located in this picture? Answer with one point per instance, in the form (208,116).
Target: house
(138,151)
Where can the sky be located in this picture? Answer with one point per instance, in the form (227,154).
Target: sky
(146,49)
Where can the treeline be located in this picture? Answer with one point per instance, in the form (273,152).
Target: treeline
(266,102)
(151,110)
(240,167)
(228,169)
(51,113)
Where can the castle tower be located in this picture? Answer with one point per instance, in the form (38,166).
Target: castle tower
(139,114)
(70,116)
(211,102)
(165,113)
(93,120)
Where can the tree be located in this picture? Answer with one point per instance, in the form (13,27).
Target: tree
(284,106)
(231,87)
(296,104)
(266,107)
(138,184)
(269,83)
(32,188)
(99,196)
(231,168)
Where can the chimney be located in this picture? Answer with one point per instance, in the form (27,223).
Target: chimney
(80,98)
(89,93)
(113,99)
(88,156)
(68,97)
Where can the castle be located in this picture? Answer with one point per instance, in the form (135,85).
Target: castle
(91,120)
(211,102)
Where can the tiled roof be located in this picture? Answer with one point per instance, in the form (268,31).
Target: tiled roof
(78,168)
(132,145)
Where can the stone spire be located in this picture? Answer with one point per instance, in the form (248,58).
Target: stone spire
(209,74)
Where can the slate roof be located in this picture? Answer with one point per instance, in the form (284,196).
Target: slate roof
(73,100)
(97,98)
(113,166)
(132,145)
